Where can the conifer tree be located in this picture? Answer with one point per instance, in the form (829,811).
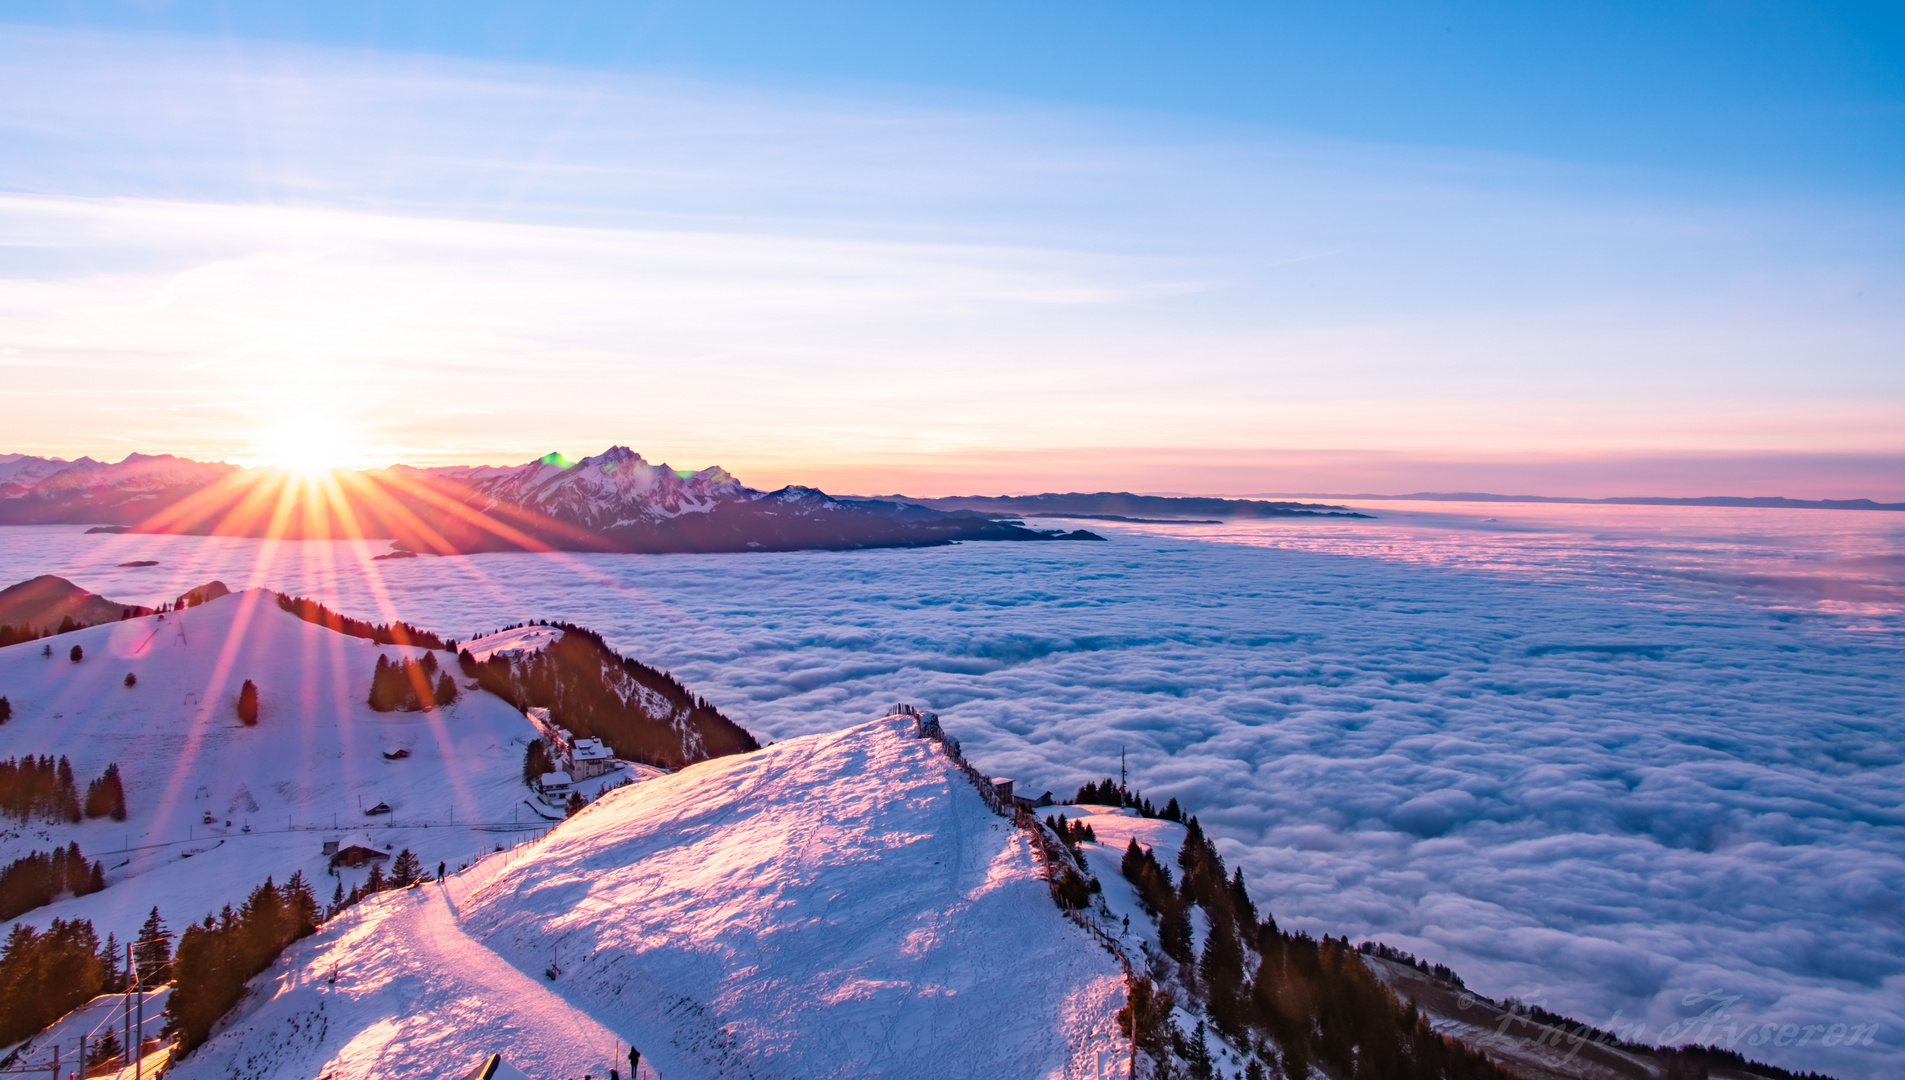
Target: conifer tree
(248,704)
(77,654)
(104,1048)
(405,870)
(131,679)
(446,689)
(6,710)
(1146,1019)
(375,881)
(1197,1054)
(106,796)
(535,762)
(66,794)
(152,953)
(109,960)
(1221,971)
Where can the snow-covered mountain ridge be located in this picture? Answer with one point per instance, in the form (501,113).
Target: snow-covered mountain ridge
(837,905)
(612,501)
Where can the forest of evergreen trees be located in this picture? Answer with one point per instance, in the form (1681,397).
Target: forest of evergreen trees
(1316,999)
(15,635)
(37,879)
(31,786)
(409,685)
(106,796)
(595,693)
(215,958)
(46,974)
(398,633)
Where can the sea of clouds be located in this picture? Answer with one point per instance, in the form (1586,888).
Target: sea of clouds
(1641,766)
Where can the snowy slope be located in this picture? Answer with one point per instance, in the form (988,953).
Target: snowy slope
(1115,827)
(835,905)
(298,778)
(91,1021)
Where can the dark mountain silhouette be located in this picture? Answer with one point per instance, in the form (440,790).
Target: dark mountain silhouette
(612,502)
(1122,505)
(46,602)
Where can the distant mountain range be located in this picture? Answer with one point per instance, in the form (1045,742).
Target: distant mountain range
(1124,506)
(1768,501)
(614,502)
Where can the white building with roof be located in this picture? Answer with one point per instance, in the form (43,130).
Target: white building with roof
(581,759)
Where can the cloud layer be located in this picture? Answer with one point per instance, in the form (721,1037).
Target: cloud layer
(1601,760)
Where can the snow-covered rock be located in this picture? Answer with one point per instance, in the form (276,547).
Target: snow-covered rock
(838,905)
(613,488)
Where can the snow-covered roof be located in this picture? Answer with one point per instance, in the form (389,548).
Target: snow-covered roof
(589,750)
(558,778)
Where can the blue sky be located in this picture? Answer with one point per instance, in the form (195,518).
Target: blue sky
(1779,92)
(1240,239)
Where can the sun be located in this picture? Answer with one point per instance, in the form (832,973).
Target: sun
(306,443)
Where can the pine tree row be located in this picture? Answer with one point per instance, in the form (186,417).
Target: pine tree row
(31,785)
(46,974)
(640,713)
(215,958)
(410,685)
(405,871)
(397,633)
(37,879)
(1316,1001)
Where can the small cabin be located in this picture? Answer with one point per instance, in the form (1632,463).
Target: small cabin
(357,851)
(380,808)
(1002,787)
(555,787)
(396,755)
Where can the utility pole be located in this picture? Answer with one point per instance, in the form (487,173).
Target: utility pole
(139,1059)
(132,1047)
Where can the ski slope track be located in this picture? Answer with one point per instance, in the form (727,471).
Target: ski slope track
(838,905)
(302,776)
